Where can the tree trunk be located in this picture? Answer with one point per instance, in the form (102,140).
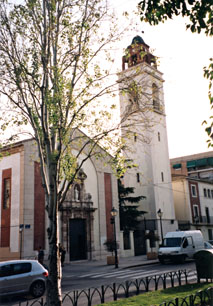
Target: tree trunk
(54,297)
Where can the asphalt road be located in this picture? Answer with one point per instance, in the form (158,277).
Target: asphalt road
(83,276)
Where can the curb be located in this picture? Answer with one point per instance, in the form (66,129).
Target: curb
(142,264)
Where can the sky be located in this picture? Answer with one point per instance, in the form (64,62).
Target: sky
(182,56)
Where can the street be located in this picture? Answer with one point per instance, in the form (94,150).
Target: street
(80,277)
(83,275)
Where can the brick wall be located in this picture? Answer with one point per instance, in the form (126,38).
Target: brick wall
(5,211)
(108,205)
(39,209)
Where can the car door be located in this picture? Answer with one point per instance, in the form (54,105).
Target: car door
(5,273)
(21,277)
(189,247)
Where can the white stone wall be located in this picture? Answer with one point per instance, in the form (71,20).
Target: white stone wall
(30,156)
(182,200)
(13,162)
(151,156)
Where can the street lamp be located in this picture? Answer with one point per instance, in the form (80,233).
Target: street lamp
(160,214)
(114,214)
(21,227)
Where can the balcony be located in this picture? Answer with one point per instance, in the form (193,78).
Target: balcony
(203,220)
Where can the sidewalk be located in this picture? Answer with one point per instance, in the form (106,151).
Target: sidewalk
(124,262)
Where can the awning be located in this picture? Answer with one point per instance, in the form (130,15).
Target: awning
(191,164)
(201,162)
(210,161)
(176,166)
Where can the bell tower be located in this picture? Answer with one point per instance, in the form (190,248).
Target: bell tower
(138,52)
(144,130)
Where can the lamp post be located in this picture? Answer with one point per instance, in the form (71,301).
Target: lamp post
(160,214)
(21,227)
(114,214)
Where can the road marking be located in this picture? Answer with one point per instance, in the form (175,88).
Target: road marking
(85,275)
(143,275)
(153,274)
(98,274)
(191,275)
(110,274)
(121,274)
(139,272)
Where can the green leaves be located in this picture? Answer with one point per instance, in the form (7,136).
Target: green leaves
(208,74)
(200,13)
(128,213)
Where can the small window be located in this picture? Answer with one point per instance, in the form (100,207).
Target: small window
(196,213)
(138,177)
(210,234)
(6,193)
(177,166)
(155,97)
(209,194)
(204,192)
(158,136)
(126,239)
(162,177)
(207,215)
(194,191)
(135,138)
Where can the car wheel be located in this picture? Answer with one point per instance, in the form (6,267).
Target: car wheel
(37,289)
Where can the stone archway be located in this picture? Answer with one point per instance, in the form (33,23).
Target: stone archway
(77,218)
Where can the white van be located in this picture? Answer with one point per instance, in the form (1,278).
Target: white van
(179,245)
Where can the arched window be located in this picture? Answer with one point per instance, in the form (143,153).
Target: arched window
(158,136)
(155,97)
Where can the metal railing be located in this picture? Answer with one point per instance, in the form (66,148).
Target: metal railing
(202,297)
(115,291)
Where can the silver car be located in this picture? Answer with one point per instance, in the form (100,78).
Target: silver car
(22,276)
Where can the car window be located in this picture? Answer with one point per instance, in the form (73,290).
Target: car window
(185,243)
(21,268)
(189,239)
(5,270)
(172,242)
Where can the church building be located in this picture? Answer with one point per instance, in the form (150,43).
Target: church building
(85,216)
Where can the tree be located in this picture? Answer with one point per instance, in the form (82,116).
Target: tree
(129,214)
(55,71)
(200,14)
(208,73)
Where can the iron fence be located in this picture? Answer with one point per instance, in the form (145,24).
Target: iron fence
(115,291)
(204,298)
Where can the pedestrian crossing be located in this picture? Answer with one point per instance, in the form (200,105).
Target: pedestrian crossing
(132,274)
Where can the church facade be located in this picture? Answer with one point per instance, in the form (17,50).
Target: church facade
(85,218)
